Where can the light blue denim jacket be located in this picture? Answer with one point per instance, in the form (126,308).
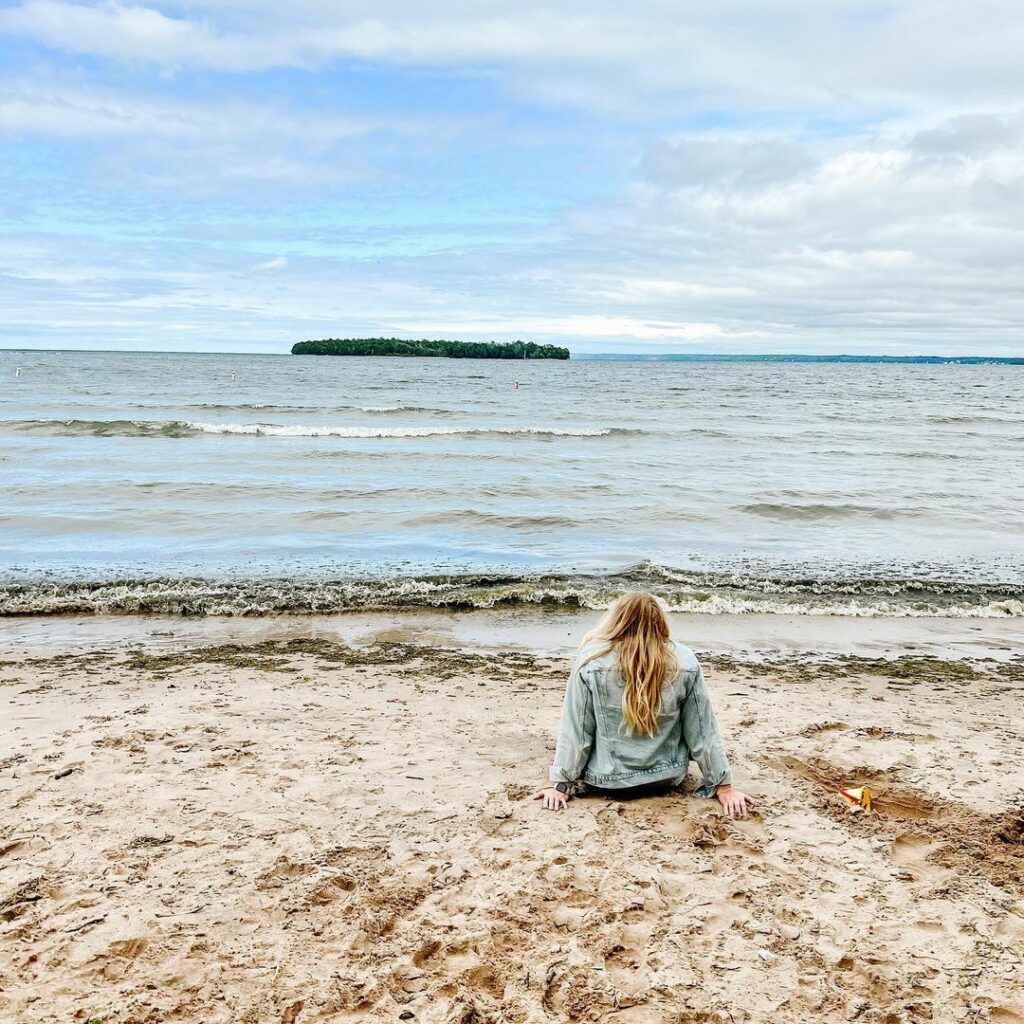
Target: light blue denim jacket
(596,746)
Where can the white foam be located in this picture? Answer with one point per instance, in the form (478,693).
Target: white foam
(298,430)
(720,604)
(273,597)
(728,604)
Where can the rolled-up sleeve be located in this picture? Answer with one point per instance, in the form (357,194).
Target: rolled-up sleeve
(700,732)
(575,731)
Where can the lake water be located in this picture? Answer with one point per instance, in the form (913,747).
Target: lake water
(244,483)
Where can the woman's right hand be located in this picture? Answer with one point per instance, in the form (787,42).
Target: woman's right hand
(553,800)
(734,803)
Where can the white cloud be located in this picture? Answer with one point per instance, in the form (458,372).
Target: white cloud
(269,266)
(907,237)
(709,161)
(578,326)
(30,107)
(141,35)
(795,53)
(152,140)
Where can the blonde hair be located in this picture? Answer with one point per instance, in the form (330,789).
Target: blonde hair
(637,629)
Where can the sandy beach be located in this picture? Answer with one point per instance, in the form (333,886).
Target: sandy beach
(304,829)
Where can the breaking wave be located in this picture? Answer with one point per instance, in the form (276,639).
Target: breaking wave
(261,407)
(715,593)
(183,428)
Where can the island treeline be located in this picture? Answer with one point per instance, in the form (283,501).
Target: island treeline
(428,347)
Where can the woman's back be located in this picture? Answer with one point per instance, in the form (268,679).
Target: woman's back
(636,711)
(620,748)
(596,744)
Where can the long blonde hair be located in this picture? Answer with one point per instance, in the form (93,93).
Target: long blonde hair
(637,629)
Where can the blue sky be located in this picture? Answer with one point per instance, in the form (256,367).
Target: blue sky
(795,176)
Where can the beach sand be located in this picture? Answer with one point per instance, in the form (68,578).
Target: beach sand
(303,829)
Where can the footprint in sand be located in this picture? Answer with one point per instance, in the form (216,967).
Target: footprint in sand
(1004,1015)
(429,954)
(128,949)
(620,957)
(330,890)
(910,850)
(281,872)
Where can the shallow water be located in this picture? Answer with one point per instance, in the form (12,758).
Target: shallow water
(131,481)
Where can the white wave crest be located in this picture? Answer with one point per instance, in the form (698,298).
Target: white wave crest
(721,604)
(298,430)
(258,597)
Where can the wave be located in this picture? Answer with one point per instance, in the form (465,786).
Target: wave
(469,517)
(257,406)
(819,510)
(683,590)
(712,432)
(183,428)
(395,408)
(1013,421)
(240,406)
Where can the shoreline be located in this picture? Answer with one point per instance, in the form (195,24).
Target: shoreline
(542,631)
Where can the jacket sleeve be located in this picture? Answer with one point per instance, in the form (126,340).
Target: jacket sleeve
(700,731)
(575,731)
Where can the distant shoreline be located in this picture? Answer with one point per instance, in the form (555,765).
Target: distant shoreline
(712,357)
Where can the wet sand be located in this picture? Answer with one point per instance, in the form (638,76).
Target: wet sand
(302,828)
(540,630)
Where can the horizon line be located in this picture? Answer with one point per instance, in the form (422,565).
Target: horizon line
(598,356)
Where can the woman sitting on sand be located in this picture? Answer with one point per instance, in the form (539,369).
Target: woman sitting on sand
(636,712)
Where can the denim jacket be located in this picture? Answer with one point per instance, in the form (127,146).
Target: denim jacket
(596,746)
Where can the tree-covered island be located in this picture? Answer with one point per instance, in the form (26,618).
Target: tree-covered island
(428,347)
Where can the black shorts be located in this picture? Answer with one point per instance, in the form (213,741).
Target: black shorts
(662,788)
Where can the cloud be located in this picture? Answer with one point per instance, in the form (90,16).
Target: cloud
(141,35)
(724,162)
(578,326)
(153,140)
(800,52)
(967,136)
(840,242)
(269,266)
(29,107)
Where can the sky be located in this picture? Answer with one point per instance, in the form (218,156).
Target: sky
(813,176)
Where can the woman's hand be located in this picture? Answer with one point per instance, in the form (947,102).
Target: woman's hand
(553,800)
(734,803)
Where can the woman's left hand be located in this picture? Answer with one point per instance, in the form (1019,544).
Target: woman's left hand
(553,800)
(734,803)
